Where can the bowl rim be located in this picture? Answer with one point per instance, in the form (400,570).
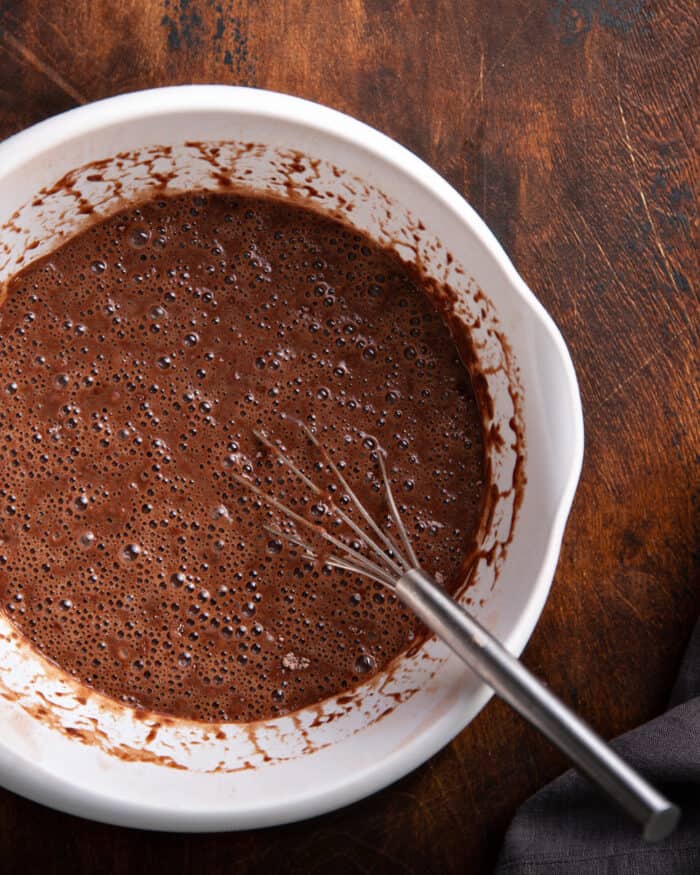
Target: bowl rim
(34,781)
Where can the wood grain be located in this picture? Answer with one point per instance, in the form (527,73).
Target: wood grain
(571,126)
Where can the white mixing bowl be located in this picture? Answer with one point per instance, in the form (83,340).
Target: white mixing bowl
(83,753)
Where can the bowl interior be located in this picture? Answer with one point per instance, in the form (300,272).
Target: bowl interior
(65,748)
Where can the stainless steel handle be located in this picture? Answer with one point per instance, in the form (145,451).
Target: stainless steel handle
(520,689)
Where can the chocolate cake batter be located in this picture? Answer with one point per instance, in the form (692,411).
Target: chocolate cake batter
(134,363)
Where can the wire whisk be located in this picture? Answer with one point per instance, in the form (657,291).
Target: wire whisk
(372,552)
(389,562)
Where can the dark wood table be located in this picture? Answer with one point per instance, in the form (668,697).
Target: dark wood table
(569,125)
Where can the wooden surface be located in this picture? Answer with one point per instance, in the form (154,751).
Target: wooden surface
(570,126)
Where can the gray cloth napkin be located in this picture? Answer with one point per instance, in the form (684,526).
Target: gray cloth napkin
(568,828)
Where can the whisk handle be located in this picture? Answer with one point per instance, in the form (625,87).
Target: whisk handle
(520,689)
